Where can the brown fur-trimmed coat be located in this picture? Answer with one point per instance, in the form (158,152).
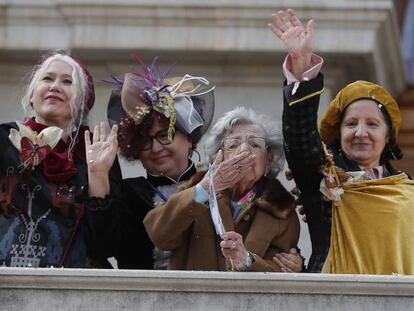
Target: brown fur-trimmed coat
(269,225)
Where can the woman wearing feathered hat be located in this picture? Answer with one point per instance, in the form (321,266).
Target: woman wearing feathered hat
(359,209)
(43,169)
(160,122)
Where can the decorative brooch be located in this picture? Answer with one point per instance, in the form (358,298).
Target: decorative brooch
(34,147)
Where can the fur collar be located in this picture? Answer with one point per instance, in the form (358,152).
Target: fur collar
(274,199)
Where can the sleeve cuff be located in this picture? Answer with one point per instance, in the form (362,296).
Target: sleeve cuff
(200,194)
(98,204)
(311,73)
(307,90)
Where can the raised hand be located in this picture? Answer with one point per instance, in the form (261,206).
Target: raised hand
(297,38)
(101,152)
(227,173)
(100,155)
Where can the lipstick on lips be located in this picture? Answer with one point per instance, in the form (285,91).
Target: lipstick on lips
(54,97)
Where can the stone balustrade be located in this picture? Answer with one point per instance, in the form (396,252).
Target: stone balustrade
(78,289)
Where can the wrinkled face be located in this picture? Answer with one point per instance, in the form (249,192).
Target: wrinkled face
(249,138)
(52,95)
(363,133)
(171,159)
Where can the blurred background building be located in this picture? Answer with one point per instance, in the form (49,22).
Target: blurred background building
(226,41)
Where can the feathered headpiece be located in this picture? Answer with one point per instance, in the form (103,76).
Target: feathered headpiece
(175,98)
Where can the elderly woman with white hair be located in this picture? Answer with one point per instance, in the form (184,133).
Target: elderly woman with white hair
(43,171)
(258,214)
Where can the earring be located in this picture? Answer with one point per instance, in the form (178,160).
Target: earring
(391,152)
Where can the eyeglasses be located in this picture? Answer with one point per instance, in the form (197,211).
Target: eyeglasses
(161,137)
(255,143)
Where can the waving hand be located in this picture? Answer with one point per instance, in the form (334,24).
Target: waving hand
(297,38)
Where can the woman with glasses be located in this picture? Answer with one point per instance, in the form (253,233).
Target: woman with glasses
(257,214)
(160,121)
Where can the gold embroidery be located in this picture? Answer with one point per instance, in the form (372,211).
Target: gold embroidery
(306,97)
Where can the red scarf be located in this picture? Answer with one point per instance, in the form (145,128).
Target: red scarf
(57,166)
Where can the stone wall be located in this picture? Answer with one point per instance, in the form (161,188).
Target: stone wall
(72,289)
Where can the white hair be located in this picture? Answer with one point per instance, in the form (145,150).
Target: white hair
(244,116)
(79,88)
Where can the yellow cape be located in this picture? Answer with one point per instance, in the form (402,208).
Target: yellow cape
(373,228)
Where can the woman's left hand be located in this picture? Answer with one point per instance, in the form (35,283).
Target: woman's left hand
(101,152)
(100,156)
(232,248)
(289,262)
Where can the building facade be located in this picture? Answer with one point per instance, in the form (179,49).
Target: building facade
(226,41)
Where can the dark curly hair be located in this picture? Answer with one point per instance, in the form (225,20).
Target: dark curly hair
(131,136)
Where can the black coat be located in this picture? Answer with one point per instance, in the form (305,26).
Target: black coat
(115,224)
(41,221)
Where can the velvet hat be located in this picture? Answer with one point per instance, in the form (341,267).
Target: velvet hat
(330,122)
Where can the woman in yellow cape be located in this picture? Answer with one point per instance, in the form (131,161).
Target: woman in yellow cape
(359,209)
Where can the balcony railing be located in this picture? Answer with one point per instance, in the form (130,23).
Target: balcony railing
(79,289)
